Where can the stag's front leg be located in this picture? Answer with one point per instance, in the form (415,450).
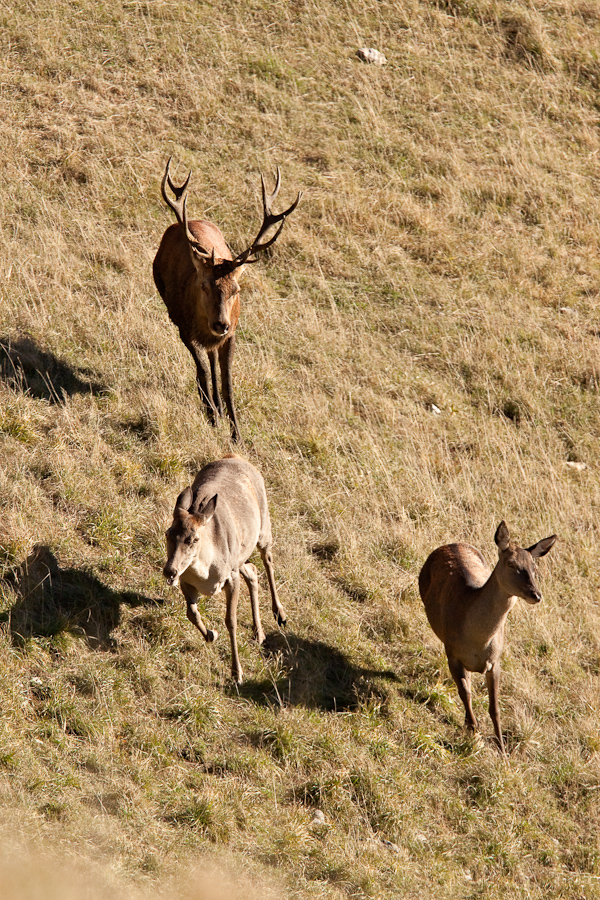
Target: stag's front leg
(203,379)
(226,361)
(212,356)
(232,593)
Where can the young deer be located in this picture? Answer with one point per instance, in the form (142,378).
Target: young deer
(197,277)
(217,523)
(467,606)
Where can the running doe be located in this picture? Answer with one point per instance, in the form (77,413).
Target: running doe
(217,523)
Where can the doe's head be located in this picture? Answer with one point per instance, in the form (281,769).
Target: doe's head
(183,536)
(517,568)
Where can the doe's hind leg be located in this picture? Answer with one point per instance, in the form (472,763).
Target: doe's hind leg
(278,610)
(250,576)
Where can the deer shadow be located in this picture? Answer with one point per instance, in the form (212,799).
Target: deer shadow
(52,600)
(315,675)
(29,369)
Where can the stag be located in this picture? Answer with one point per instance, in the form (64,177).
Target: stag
(198,279)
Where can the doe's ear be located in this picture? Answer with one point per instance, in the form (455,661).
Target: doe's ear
(542,547)
(184,501)
(502,536)
(207,509)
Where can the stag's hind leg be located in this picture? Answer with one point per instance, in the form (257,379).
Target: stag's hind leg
(278,610)
(250,576)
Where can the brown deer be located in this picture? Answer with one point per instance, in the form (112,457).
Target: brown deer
(217,523)
(198,279)
(467,606)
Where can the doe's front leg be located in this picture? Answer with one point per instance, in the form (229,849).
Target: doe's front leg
(191,595)
(232,594)
(492,677)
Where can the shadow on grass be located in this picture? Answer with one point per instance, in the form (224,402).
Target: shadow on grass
(52,600)
(28,368)
(315,675)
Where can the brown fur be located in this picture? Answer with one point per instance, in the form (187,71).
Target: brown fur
(195,274)
(198,295)
(467,605)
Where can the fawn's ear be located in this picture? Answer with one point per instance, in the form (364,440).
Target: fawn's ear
(542,547)
(502,536)
(184,501)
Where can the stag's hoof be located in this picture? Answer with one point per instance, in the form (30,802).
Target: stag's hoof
(281,619)
(259,636)
(211,636)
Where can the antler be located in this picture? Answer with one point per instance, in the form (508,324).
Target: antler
(269,219)
(179,207)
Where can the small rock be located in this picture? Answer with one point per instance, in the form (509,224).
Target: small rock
(390,845)
(38,688)
(435,410)
(567,310)
(579,466)
(371,55)
(318,818)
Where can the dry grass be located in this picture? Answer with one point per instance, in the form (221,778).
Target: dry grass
(444,256)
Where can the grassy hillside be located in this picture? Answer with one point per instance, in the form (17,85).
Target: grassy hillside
(417,359)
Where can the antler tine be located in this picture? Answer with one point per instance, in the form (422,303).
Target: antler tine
(267,203)
(269,219)
(179,205)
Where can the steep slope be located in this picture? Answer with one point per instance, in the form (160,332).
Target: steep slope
(417,359)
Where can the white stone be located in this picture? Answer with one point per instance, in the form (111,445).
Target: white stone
(371,55)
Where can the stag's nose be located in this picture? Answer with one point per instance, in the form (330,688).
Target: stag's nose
(220,328)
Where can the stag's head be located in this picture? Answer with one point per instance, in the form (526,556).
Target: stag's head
(517,569)
(220,291)
(220,277)
(184,535)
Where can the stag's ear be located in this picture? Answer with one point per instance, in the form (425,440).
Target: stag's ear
(542,547)
(502,536)
(184,501)
(207,510)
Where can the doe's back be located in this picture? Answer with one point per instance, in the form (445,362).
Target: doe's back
(241,492)
(447,582)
